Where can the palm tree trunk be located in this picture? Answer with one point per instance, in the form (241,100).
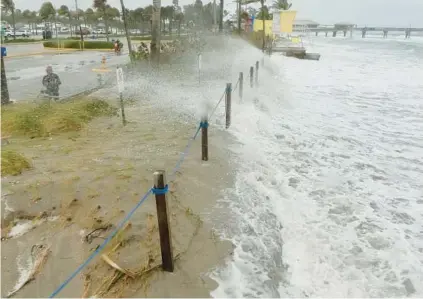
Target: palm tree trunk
(221,17)
(125,25)
(264,27)
(14,24)
(106,23)
(70,25)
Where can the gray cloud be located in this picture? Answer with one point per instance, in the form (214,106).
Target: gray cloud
(362,12)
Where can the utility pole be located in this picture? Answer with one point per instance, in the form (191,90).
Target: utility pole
(80,28)
(155,33)
(125,25)
(221,17)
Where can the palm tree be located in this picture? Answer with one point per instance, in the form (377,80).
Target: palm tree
(125,25)
(26,15)
(9,6)
(170,14)
(179,17)
(35,19)
(46,12)
(102,6)
(281,5)
(139,14)
(64,12)
(90,16)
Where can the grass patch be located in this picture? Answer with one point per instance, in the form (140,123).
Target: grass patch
(44,120)
(13,163)
(76,44)
(21,40)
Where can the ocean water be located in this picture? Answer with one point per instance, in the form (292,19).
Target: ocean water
(328,166)
(328,196)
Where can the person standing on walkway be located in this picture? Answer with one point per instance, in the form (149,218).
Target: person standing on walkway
(51,82)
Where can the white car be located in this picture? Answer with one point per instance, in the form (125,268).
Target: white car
(20,32)
(99,31)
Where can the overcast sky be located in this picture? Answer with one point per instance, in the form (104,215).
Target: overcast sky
(362,12)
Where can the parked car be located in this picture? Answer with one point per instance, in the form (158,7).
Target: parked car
(20,32)
(99,31)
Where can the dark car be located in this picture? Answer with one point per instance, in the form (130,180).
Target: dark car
(47,34)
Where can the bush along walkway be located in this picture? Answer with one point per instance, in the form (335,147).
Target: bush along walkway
(76,44)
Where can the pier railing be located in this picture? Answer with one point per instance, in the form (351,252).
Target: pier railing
(160,186)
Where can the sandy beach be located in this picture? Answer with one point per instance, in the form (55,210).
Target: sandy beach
(86,181)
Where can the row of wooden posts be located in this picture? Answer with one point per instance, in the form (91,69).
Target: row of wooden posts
(160,185)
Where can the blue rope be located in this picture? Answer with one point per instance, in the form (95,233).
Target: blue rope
(204,124)
(183,154)
(157,191)
(101,247)
(217,105)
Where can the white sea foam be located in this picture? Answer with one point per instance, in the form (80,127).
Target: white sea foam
(25,266)
(24,226)
(339,166)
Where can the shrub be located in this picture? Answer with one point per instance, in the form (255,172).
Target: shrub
(20,40)
(13,163)
(76,44)
(44,120)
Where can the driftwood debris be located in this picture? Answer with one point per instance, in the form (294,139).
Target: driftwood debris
(116,266)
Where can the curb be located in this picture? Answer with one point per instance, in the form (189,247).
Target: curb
(52,51)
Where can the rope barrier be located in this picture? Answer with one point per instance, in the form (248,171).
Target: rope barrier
(236,86)
(141,201)
(183,154)
(217,105)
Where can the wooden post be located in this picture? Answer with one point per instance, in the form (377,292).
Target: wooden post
(123,109)
(251,76)
(160,190)
(257,68)
(204,139)
(228,104)
(241,85)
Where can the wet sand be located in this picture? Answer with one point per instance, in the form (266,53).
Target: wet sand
(90,180)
